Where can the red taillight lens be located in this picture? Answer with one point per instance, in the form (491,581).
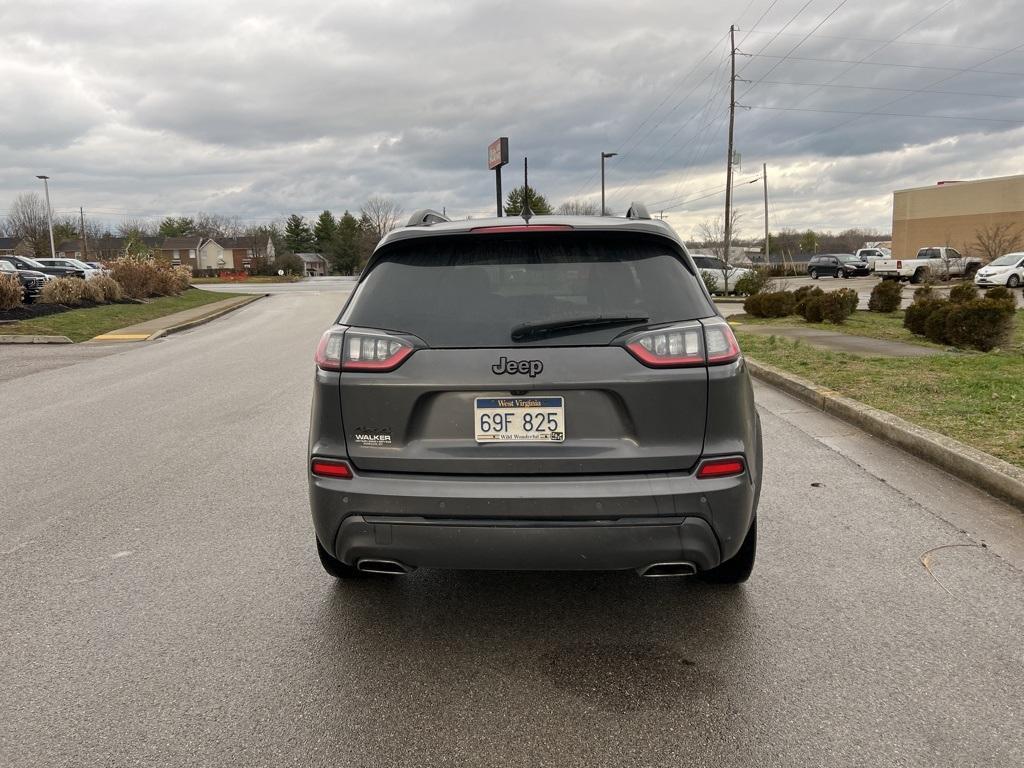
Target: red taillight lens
(328,351)
(379,352)
(720,468)
(720,343)
(331,468)
(668,347)
(899,265)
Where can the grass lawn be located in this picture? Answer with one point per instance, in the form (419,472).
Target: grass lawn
(970,396)
(84,324)
(875,325)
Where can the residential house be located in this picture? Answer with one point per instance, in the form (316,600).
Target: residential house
(313,264)
(102,249)
(239,254)
(16,246)
(181,251)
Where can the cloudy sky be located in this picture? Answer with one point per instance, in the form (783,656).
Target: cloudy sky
(257,109)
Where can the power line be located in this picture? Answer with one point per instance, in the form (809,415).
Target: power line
(959,70)
(883,114)
(705,197)
(929,44)
(883,88)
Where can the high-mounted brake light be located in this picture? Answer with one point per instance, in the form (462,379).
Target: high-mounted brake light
(713,468)
(378,351)
(522,228)
(331,468)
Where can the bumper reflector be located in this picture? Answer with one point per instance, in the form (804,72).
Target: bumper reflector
(331,468)
(720,468)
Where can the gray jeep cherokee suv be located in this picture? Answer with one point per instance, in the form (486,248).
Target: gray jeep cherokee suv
(555,395)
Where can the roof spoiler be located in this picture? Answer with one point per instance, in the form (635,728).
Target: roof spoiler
(637,210)
(424,217)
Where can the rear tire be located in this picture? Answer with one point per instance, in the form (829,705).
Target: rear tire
(919,276)
(335,567)
(738,568)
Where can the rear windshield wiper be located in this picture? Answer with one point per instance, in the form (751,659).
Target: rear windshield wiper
(528,331)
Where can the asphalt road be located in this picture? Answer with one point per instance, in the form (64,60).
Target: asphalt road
(163,605)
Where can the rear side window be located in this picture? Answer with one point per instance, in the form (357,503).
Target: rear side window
(472,290)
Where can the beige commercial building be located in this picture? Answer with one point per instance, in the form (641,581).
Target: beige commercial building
(952,212)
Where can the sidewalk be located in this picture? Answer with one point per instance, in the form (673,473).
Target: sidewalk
(837,341)
(179,321)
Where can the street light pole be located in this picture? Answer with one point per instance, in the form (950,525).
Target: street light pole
(604,156)
(49,214)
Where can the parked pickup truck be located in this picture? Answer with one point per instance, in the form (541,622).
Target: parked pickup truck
(871,255)
(939,262)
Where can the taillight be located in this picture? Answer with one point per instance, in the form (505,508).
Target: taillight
(899,265)
(328,351)
(668,347)
(331,468)
(720,343)
(712,468)
(376,351)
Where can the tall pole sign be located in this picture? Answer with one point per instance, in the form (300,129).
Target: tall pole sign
(497,156)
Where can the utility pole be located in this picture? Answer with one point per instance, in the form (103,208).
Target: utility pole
(49,214)
(85,239)
(764,178)
(604,156)
(728,165)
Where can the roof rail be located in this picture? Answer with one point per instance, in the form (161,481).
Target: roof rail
(424,217)
(637,210)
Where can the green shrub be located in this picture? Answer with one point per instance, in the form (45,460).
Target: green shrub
(916,315)
(834,305)
(10,291)
(924,293)
(110,288)
(803,290)
(999,293)
(935,323)
(807,294)
(982,324)
(710,281)
(754,282)
(775,304)
(850,299)
(962,293)
(886,296)
(64,290)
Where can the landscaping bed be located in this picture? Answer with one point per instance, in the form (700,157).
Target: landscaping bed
(973,397)
(86,322)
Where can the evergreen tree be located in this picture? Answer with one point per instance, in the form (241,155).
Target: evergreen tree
(345,248)
(324,232)
(177,226)
(298,237)
(538,203)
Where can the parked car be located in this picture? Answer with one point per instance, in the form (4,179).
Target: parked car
(725,274)
(836,265)
(23,262)
(31,282)
(86,270)
(871,255)
(935,261)
(594,413)
(1007,270)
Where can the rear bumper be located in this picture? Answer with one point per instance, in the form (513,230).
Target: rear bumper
(599,522)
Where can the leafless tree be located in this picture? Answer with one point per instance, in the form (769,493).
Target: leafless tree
(382,214)
(577,208)
(136,227)
(996,240)
(215,225)
(27,220)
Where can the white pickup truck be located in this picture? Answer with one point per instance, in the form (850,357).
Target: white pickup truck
(870,255)
(937,262)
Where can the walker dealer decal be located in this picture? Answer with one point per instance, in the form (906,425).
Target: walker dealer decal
(373,438)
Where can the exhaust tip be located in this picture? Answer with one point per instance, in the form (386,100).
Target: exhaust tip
(661,570)
(388,567)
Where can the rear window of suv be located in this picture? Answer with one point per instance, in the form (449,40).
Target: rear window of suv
(472,290)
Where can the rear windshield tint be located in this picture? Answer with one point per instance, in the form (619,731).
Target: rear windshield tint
(471,291)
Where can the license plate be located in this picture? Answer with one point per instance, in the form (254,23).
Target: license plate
(519,419)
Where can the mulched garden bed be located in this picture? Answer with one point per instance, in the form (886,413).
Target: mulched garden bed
(30,311)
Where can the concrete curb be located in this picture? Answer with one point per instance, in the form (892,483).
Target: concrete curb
(206,318)
(997,477)
(26,339)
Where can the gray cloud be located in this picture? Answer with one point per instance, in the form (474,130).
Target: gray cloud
(258,109)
